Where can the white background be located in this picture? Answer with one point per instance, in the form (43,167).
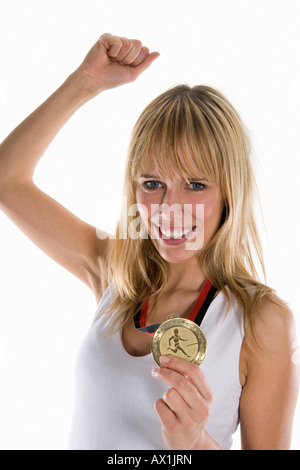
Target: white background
(248,49)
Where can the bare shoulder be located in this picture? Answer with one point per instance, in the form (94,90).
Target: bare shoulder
(274,340)
(274,323)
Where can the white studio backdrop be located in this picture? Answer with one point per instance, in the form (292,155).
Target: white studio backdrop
(248,49)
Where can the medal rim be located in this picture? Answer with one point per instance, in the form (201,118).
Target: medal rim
(185,323)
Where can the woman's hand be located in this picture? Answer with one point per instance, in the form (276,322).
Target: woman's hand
(113,61)
(185,407)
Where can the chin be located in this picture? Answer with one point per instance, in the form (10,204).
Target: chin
(174,255)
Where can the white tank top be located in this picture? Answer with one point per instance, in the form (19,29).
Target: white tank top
(115,392)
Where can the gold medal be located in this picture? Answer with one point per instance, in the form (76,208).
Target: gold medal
(181,338)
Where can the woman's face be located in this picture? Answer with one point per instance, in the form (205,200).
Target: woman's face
(180,217)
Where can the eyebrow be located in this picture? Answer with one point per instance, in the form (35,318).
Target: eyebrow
(191,178)
(149,176)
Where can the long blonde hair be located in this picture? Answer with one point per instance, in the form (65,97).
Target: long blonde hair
(202,123)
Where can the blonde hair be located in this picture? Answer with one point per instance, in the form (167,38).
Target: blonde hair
(202,123)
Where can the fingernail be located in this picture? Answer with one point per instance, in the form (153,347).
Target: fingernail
(154,373)
(164,359)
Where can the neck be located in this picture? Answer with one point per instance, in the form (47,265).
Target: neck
(186,276)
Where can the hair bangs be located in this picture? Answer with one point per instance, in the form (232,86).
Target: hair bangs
(173,139)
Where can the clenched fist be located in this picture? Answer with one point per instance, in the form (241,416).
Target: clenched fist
(113,61)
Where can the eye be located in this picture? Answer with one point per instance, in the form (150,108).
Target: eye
(151,185)
(197,186)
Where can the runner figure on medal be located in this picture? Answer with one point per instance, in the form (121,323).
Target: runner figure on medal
(176,338)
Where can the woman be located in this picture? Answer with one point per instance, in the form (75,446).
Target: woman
(188,221)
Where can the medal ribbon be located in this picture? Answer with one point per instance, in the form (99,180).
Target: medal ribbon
(197,314)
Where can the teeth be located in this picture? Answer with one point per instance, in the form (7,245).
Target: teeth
(175,233)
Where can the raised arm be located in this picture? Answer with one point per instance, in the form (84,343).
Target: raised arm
(74,244)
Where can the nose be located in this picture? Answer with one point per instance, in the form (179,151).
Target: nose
(171,196)
(171,208)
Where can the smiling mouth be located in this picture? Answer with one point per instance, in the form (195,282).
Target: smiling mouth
(176,234)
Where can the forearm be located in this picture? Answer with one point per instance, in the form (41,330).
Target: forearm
(111,62)
(22,149)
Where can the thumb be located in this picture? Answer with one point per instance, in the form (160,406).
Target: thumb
(146,63)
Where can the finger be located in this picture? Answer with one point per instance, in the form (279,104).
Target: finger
(177,404)
(134,53)
(111,43)
(117,47)
(165,414)
(127,45)
(190,370)
(143,53)
(181,384)
(137,70)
